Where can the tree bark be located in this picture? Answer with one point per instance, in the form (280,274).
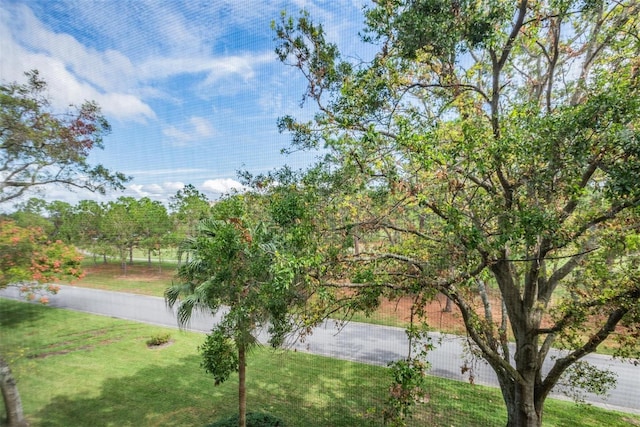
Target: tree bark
(522,410)
(521,391)
(242,390)
(11,397)
(448,306)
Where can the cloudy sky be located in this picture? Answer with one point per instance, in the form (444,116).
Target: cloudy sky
(192,88)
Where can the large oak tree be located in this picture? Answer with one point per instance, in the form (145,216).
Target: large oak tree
(489,151)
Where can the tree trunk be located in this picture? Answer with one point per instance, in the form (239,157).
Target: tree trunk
(522,408)
(356,245)
(522,398)
(11,397)
(242,390)
(123,260)
(448,306)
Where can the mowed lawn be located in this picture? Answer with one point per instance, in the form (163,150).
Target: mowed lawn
(76,369)
(138,278)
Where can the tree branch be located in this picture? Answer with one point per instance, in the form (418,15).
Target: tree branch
(590,346)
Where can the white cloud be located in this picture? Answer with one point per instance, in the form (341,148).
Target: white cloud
(164,191)
(137,190)
(222,185)
(177,137)
(88,64)
(192,131)
(124,107)
(74,73)
(215,68)
(156,191)
(156,172)
(115,81)
(173,186)
(201,126)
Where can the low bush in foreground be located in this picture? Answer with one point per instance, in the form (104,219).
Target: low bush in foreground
(158,339)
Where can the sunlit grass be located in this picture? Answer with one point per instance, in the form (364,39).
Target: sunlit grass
(139,277)
(76,369)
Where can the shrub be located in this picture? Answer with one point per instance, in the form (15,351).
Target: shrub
(254,419)
(158,339)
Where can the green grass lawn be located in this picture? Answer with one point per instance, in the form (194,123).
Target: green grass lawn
(139,277)
(76,369)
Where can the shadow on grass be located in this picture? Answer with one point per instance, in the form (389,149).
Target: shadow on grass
(318,391)
(183,395)
(14,313)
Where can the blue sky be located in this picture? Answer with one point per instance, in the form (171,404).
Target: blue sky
(192,88)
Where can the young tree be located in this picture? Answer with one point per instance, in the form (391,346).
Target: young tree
(32,214)
(485,148)
(39,146)
(188,207)
(89,226)
(121,228)
(60,214)
(241,260)
(154,225)
(31,262)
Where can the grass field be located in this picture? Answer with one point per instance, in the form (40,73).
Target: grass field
(76,369)
(139,277)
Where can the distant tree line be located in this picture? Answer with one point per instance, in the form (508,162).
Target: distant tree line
(113,229)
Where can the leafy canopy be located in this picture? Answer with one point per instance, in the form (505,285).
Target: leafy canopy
(32,262)
(39,146)
(485,153)
(248,260)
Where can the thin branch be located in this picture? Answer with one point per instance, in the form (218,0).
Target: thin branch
(463,86)
(611,213)
(536,258)
(366,257)
(488,187)
(561,273)
(632,294)
(590,346)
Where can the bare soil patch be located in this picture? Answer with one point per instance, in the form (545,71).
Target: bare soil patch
(436,316)
(159,346)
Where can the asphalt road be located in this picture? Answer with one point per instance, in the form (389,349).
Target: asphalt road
(354,341)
